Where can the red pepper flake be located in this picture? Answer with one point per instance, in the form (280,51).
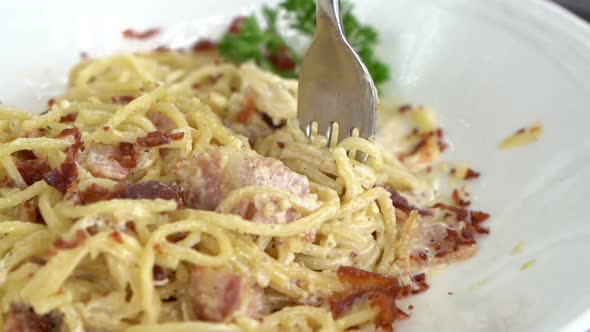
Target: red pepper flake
(123,100)
(68,132)
(106,128)
(411,307)
(471,174)
(68,118)
(51,102)
(162,49)
(248,111)
(520,131)
(405,108)
(282,59)
(79,238)
(442,146)
(140,35)
(204,45)
(196,86)
(117,237)
(236,25)
(157,138)
(280,144)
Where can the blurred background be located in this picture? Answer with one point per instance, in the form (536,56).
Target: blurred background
(580,7)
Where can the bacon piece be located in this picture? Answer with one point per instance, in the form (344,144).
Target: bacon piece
(388,310)
(162,49)
(460,213)
(218,293)
(379,289)
(23,318)
(248,110)
(150,190)
(68,132)
(204,45)
(459,200)
(32,170)
(236,25)
(400,202)
(94,193)
(209,177)
(356,276)
(103,161)
(67,174)
(127,156)
(140,35)
(282,59)
(157,138)
(159,273)
(161,121)
(478,217)
(68,118)
(25,155)
(471,174)
(78,239)
(30,211)
(405,108)
(123,100)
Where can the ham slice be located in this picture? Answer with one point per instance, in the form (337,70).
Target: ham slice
(218,293)
(101,161)
(208,177)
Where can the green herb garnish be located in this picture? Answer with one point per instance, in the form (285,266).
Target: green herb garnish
(246,40)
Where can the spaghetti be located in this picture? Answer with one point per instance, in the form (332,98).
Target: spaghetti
(167,191)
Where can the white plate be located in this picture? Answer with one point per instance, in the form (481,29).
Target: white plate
(488,66)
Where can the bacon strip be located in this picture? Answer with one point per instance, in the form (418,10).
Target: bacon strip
(32,170)
(400,202)
(68,118)
(23,318)
(140,35)
(79,238)
(204,45)
(379,289)
(157,138)
(67,174)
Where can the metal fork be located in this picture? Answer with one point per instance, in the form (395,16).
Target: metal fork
(335,87)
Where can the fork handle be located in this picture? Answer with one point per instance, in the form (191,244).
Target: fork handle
(328,18)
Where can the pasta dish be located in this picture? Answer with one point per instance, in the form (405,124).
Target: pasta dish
(171,191)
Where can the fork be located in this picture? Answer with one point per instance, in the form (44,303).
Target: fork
(336,91)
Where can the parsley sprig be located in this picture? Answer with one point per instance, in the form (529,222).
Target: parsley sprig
(247,40)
